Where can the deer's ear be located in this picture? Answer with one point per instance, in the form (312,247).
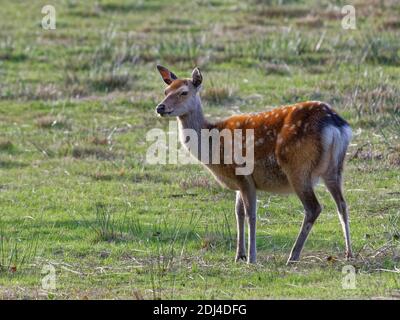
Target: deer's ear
(167,75)
(197,78)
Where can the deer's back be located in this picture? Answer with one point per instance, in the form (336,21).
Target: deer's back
(286,140)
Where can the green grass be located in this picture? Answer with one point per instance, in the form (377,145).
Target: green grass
(77,193)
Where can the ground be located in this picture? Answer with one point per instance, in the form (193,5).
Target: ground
(76,192)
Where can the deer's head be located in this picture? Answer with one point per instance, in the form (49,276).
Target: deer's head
(180,94)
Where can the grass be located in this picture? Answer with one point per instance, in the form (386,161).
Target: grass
(75,189)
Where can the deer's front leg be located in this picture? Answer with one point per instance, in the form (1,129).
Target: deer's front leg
(249,198)
(240,214)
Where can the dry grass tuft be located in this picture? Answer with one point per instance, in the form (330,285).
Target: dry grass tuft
(331,14)
(197,182)
(277,68)
(394,159)
(6,145)
(99,176)
(111,81)
(310,21)
(47,92)
(81,152)
(391,23)
(217,94)
(283,12)
(316,69)
(102,141)
(49,121)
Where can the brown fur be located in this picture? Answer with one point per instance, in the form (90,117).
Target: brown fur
(286,136)
(176,84)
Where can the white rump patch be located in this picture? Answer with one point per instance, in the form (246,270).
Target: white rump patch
(335,142)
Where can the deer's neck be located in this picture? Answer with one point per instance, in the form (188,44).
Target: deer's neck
(195,121)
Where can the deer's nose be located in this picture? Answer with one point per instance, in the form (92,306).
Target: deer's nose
(160,109)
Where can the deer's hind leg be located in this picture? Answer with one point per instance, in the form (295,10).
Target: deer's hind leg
(312,209)
(333,181)
(298,162)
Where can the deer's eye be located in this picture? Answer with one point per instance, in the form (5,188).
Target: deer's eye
(184,93)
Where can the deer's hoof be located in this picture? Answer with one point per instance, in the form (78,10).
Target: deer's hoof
(240,257)
(348,255)
(292,261)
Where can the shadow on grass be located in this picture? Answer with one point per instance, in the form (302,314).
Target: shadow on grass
(7,164)
(127,7)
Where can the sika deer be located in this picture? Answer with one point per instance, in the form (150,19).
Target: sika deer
(294,146)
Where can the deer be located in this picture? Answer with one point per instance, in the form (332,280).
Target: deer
(294,147)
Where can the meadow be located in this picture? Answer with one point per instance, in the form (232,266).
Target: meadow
(77,195)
